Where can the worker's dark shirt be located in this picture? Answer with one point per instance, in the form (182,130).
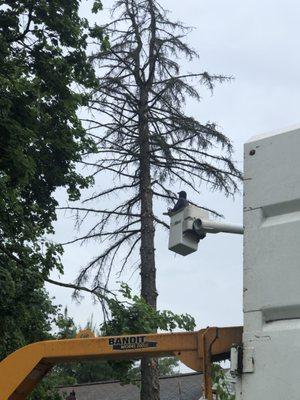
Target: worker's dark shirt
(181,203)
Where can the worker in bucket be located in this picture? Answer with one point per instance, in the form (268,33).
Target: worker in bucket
(182,202)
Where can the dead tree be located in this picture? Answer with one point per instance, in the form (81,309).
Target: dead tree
(147,144)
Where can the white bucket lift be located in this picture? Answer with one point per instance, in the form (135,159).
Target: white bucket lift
(191,224)
(182,238)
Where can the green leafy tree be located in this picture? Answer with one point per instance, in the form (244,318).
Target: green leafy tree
(168,366)
(125,317)
(79,372)
(70,373)
(221,384)
(43,54)
(134,315)
(66,326)
(25,308)
(42,61)
(43,66)
(48,389)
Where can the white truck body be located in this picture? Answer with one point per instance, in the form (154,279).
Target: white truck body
(271,360)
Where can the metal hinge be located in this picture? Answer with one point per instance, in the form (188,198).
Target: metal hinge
(241,360)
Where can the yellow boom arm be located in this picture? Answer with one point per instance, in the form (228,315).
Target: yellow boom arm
(22,370)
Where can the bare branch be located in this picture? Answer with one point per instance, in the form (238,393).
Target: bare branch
(96,291)
(109,212)
(147,143)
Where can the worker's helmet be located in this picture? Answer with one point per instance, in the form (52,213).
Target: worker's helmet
(182,194)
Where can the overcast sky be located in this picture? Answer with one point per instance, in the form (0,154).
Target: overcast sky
(258,43)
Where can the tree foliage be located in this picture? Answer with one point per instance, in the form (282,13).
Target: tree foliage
(221,383)
(43,63)
(42,56)
(129,316)
(84,371)
(134,315)
(25,308)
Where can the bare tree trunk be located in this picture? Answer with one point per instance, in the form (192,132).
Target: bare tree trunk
(149,366)
(149,379)
(148,142)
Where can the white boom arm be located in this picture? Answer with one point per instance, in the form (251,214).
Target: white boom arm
(208,226)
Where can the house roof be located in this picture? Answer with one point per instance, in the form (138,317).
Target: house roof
(177,387)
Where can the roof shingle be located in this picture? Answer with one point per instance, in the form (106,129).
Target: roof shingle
(177,387)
